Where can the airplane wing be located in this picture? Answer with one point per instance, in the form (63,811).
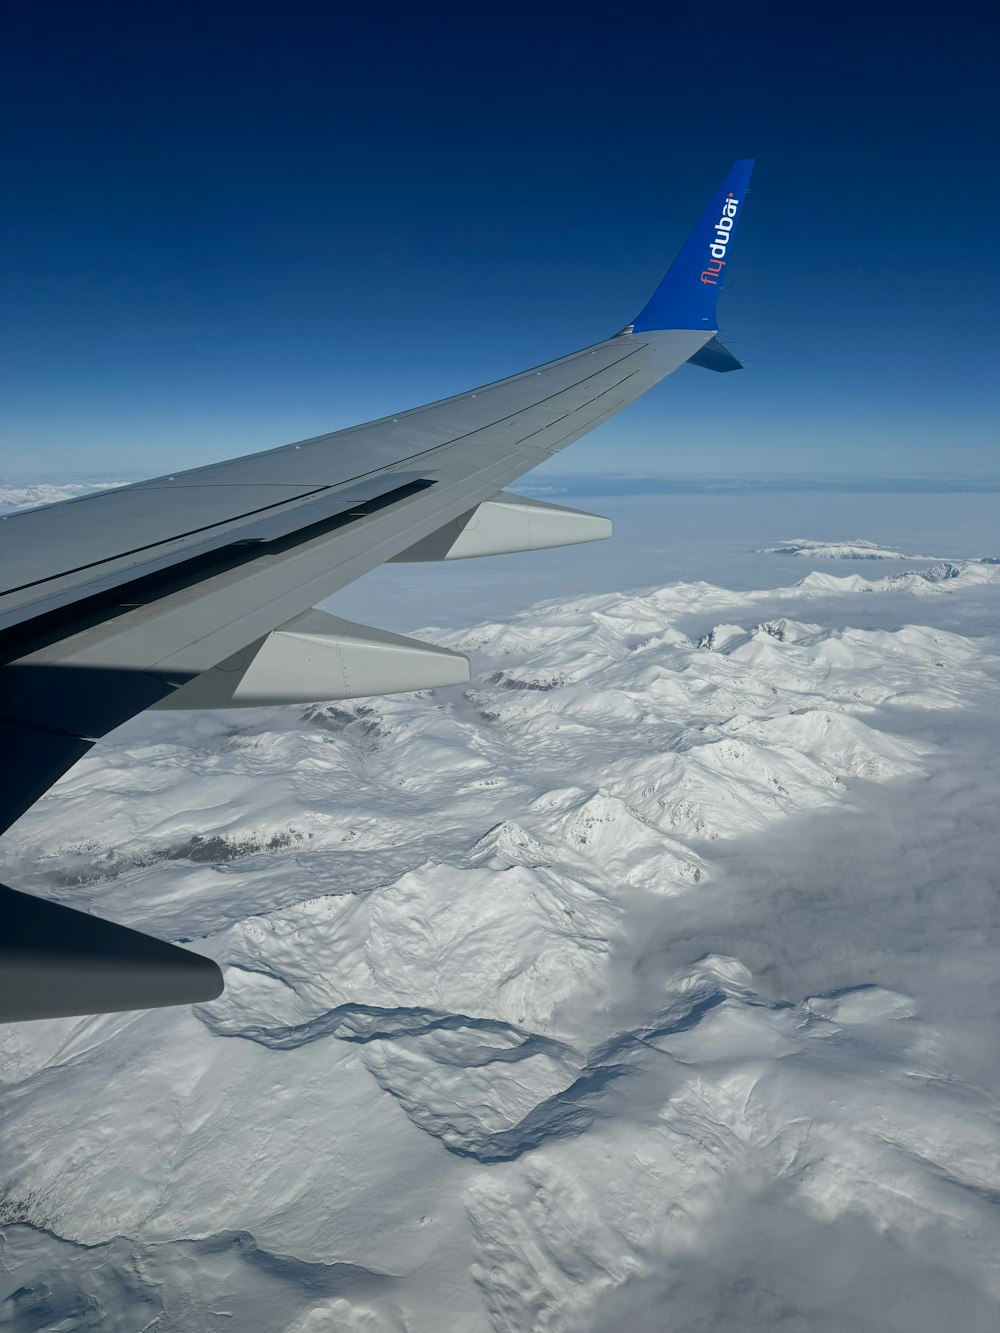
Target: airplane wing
(197,589)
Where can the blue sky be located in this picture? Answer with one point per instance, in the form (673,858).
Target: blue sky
(233,226)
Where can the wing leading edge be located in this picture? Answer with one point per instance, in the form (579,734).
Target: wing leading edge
(126,600)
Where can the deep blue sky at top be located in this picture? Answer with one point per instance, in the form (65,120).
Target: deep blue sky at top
(234,225)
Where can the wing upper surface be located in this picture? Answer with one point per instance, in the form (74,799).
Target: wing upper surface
(55,554)
(87,647)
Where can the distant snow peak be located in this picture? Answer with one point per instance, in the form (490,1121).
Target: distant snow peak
(726,639)
(855,549)
(944,569)
(919,581)
(361,722)
(511,680)
(721,637)
(507,844)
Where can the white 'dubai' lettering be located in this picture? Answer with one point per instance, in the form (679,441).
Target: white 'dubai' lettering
(723,231)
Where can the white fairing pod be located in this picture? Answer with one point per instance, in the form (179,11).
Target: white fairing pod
(508,523)
(316,657)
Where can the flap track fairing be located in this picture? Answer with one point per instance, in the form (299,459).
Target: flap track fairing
(505,524)
(317,657)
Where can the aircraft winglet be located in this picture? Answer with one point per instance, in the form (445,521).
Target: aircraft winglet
(686,297)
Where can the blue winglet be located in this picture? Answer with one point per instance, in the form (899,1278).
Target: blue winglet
(685,299)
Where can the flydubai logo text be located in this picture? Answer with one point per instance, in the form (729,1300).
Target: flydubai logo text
(723,233)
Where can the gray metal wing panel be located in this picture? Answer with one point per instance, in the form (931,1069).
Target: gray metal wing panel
(126,533)
(52,555)
(326,460)
(138,629)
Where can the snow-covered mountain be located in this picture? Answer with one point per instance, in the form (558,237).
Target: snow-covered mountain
(647,982)
(853,550)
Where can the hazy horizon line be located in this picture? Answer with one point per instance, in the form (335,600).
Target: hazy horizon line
(750,483)
(638,483)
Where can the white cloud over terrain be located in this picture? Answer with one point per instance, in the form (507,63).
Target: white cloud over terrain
(648,982)
(14,498)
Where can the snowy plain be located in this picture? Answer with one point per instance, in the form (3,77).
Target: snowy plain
(647,982)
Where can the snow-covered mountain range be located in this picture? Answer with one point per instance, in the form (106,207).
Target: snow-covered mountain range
(807,549)
(647,982)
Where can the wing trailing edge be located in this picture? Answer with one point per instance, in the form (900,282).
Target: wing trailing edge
(56,962)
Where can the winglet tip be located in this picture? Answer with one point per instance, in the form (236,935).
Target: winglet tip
(686,297)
